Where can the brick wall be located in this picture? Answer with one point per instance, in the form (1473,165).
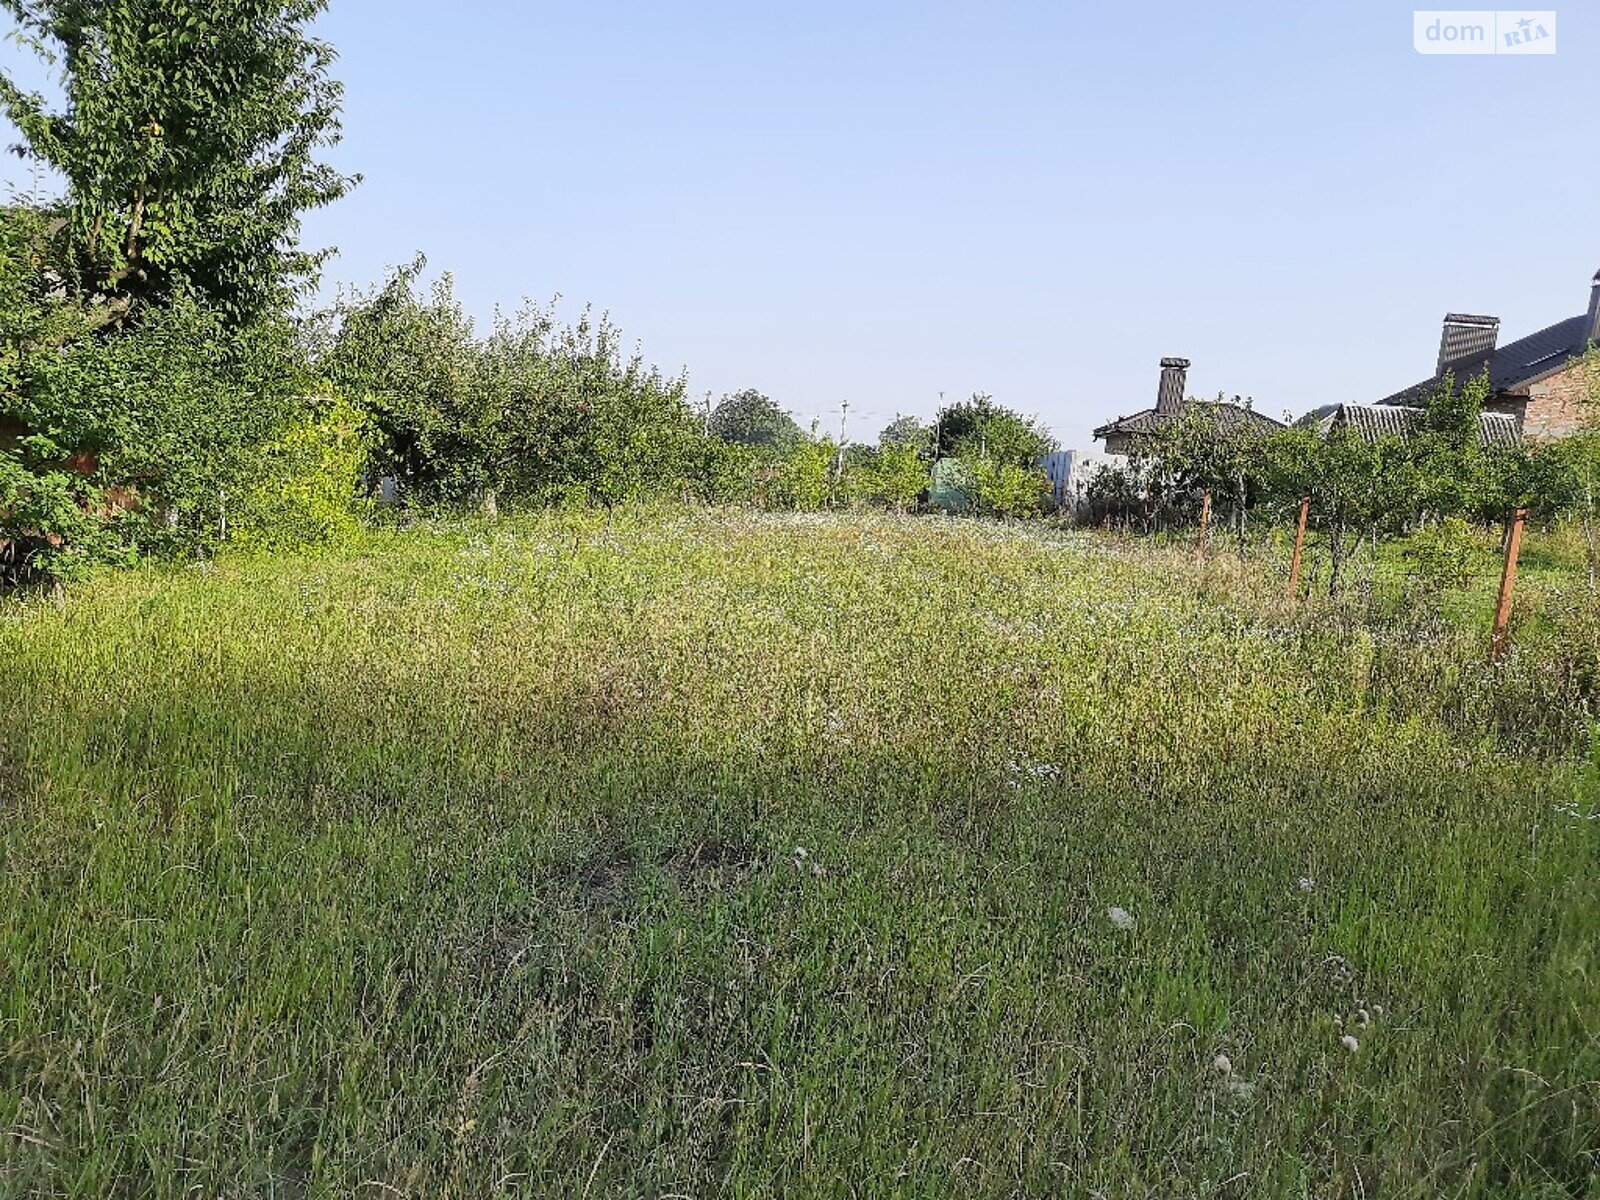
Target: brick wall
(1564,403)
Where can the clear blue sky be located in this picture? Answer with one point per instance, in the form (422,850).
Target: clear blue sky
(882,201)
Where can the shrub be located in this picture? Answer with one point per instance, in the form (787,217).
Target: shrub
(805,476)
(120,438)
(718,472)
(1444,556)
(893,476)
(1004,489)
(304,490)
(167,419)
(535,411)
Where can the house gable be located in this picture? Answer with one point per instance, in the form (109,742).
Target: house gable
(1560,404)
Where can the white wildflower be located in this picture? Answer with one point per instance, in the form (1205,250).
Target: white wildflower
(1349,1043)
(1120,917)
(1222,1065)
(1023,769)
(1306,883)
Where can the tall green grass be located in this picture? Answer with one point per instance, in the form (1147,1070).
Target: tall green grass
(690,855)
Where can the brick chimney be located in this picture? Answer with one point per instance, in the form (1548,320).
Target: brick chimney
(1593,326)
(1174,374)
(1466,337)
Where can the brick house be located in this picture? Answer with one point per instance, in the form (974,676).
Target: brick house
(1543,381)
(1134,434)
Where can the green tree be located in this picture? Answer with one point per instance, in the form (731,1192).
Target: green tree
(980,427)
(144,440)
(412,361)
(804,477)
(749,418)
(1196,452)
(894,476)
(1351,482)
(908,431)
(566,413)
(187,136)
(1449,471)
(536,411)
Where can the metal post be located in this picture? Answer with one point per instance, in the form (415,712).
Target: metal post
(1205,523)
(1299,545)
(838,474)
(1508,581)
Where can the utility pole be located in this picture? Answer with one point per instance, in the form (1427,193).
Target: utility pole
(838,472)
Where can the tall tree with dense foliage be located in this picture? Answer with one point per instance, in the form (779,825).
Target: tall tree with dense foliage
(749,418)
(156,382)
(998,451)
(979,426)
(908,431)
(188,137)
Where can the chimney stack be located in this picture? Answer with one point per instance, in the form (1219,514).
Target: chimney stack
(1466,338)
(1593,327)
(1174,374)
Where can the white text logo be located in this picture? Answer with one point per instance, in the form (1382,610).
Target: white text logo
(1483,31)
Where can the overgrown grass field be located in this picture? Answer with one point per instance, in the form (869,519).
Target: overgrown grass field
(696,855)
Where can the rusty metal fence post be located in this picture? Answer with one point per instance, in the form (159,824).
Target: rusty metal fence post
(1508,581)
(1299,546)
(1205,524)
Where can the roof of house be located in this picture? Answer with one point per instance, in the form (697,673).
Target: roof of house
(1227,415)
(1514,364)
(1496,431)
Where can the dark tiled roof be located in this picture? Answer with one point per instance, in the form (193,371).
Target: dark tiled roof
(1374,422)
(1515,363)
(1227,416)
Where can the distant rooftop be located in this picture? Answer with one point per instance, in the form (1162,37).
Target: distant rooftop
(1227,415)
(1468,347)
(1374,422)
